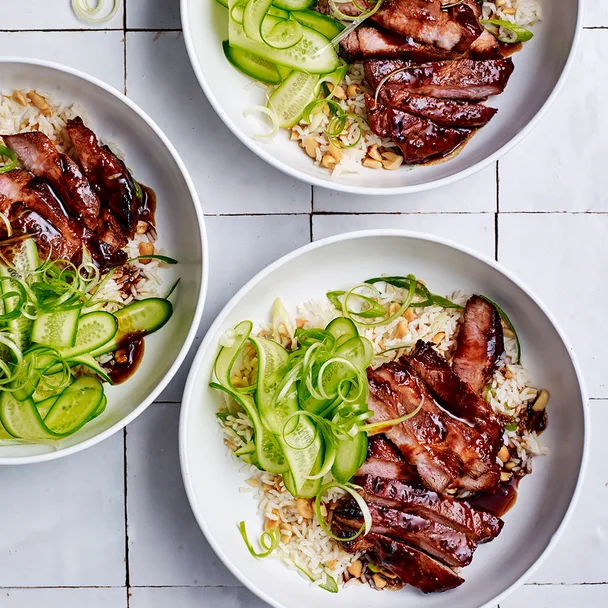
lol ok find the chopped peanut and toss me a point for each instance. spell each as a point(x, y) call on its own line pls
point(332, 563)
point(323, 510)
point(285, 539)
point(328, 161)
point(355, 568)
point(392, 165)
point(300, 323)
point(304, 508)
point(510, 465)
point(40, 102)
point(294, 135)
point(270, 524)
point(541, 401)
point(146, 248)
point(379, 581)
point(352, 90)
point(372, 164)
point(504, 476)
point(335, 151)
point(504, 454)
point(402, 329)
point(374, 153)
point(253, 482)
point(339, 92)
point(438, 337)
point(409, 315)
point(142, 227)
point(311, 145)
point(393, 308)
point(19, 98)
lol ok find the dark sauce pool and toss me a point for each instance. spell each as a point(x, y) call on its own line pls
point(501, 501)
point(126, 359)
point(146, 209)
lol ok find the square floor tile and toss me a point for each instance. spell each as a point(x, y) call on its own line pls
point(63, 521)
point(596, 13)
point(239, 247)
point(561, 165)
point(552, 253)
point(473, 230)
point(474, 194)
point(166, 546)
point(153, 14)
point(100, 54)
point(222, 597)
point(51, 15)
point(228, 176)
point(557, 596)
point(63, 598)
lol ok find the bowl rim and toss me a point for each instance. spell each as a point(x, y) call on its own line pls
point(204, 273)
point(374, 190)
point(188, 401)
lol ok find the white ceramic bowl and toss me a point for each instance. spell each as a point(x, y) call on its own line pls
point(540, 70)
point(546, 497)
point(155, 163)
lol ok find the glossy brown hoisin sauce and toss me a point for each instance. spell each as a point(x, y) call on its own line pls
point(126, 360)
point(501, 501)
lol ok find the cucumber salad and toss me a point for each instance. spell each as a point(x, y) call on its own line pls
point(59, 344)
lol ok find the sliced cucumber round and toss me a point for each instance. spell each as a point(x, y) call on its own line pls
point(56, 329)
point(292, 96)
point(348, 457)
point(94, 330)
point(137, 320)
point(21, 419)
point(251, 65)
point(75, 406)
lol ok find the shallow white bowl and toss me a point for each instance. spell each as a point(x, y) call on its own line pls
point(540, 69)
point(154, 162)
point(546, 498)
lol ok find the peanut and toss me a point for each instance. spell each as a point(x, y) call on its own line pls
point(402, 329)
point(19, 98)
point(328, 161)
point(335, 151)
point(372, 164)
point(374, 153)
point(352, 90)
point(355, 568)
point(438, 337)
point(142, 227)
point(40, 102)
point(311, 145)
point(146, 248)
point(304, 508)
point(379, 581)
point(505, 476)
point(541, 401)
point(504, 454)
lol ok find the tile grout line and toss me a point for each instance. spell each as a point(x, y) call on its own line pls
point(497, 210)
point(125, 490)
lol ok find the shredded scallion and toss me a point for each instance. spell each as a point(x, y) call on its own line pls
point(269, 541)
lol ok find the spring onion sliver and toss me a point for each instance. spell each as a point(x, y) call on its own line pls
point(7, 153)
point(381, 427)
point(269, 541)
point(95, 11)
point(352, 490)
point(273, 118)
point(154, 256)
point(506, 31)
point(329, 583)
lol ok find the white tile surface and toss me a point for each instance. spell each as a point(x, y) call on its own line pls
point(560, 166)
point(153, 14)
point(544, 596)
point(240, 247)
point(59, 47)
point(473, 230)
point(229, 178)
point(49, 15)
point(166, 547)
point(63, 521)
point(553, 252)
point(581, 555)
point(227, 597)
point(596, 13)
point(474, 194)
point(63, 598)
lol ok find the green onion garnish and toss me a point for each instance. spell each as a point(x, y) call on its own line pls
point(512, 426)
point(269, 541)
point(352, 490)
point(7, 154)
point(154, 256)
point(97, 12)
point(506, 31)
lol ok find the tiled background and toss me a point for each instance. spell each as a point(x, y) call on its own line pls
point(111, 527)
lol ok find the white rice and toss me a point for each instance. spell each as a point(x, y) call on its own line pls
point(370, 149)
point(304, 542)
point(19, 114)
